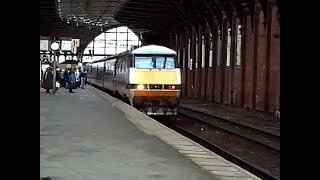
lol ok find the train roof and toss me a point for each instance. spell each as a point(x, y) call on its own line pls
point(145, 50)
point(153, 49)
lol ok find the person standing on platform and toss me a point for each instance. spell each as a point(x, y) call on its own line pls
point(77, 75)
point(83, 77)
point(47, 80)
point(71, 80)
point(58, 79)
point(61, 78)
point(65, 77)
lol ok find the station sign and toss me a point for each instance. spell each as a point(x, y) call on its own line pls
point(44, 45)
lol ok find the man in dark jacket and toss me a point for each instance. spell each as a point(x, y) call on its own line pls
point(71, 80)
point(83, 77)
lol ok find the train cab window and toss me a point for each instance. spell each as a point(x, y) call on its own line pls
point(165, 63)
point(155, 62)
point(160, 62)
point(144, 63)
point(170, 63)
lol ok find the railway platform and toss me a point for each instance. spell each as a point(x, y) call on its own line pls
point(263, 121)
point(91, 135)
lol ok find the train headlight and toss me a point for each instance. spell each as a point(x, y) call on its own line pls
point(173, 87)
point(140, 86)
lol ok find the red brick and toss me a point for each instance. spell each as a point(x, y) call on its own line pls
point(210, 81)
point(190, 83)
point(261, 59)
point(274, 63)
point(238, 86)
point(204, 73)
point(249, 55)
point(184, 82)
point(217, 84)
point(197, 82)
point(227, 86)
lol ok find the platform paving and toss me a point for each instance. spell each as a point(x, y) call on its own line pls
point(85, 137)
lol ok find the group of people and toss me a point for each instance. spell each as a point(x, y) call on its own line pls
point(69, 79)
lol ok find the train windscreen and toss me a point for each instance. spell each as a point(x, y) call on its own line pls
point(155, 62)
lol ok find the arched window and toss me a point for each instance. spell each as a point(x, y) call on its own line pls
point(228, 48)
point(111, 42)
point(239, 36)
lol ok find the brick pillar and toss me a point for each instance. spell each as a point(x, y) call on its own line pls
point(188, 56)
point(238, 67)
point(193, 57)
point(183, 62)
point(218, 64)
point(260, 58)
point(273, 79)
point(215, 38)
point(206, 92)
point(191, 43)
point(197, 70)
point(227, 69)
point(223, 57)
point(248, 42)
point(233, 57)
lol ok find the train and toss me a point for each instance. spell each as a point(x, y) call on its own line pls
point(148, 78)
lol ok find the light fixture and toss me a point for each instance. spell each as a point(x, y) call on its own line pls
point(77, 23)
point(140, 86)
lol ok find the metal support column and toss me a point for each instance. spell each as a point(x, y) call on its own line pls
point(116, 43)
point(92, 54)
point(54, 89)
point(127, 38)
point(105, 44)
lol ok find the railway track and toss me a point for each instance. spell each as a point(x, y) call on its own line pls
point(256, 151)
point(250, 133)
